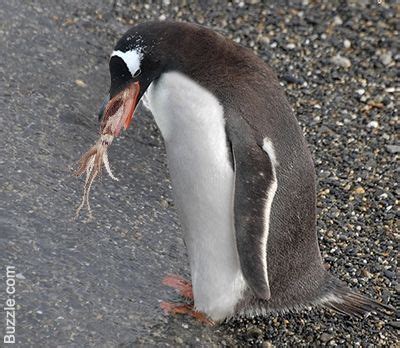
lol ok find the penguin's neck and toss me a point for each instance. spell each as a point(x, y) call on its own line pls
point(192, 123)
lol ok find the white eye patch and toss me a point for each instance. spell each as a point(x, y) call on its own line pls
point(131, 58)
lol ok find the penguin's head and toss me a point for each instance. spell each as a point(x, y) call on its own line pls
point(133, 64)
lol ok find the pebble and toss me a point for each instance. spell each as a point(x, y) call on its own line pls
point(292, 79)
point(359, 190)
point(254, 331)
point(346, 43)
point(373, 124)
point(397, 288)
point(20, 276)
point(80, 83)
point(164, 203)
point(265, 40)
point(178, 340)
point(325, 337)
point(395, 324)
point(393, 148)
point(386, 57)
point(341, 61)
point(390, 89)
point(389, 274)
point(366, 274)
point(337, 20)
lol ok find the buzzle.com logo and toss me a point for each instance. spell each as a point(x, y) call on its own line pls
point(9, 308)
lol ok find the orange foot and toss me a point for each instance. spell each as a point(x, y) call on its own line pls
point(181, 285)
point(178, 308)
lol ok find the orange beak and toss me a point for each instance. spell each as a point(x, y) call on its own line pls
point(130, 103)
point(120, 109)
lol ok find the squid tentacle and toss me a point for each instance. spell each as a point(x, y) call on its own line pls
point(92, 162)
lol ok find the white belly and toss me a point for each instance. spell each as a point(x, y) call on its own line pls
point(193, 127)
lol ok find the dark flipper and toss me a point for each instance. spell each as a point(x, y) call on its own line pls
point(255, 186)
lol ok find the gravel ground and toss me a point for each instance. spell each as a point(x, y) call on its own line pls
point(99, 283)
point(339, 63)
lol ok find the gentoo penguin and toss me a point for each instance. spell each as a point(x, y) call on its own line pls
point(243, 177)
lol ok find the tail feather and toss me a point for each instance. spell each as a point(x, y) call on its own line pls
point(345, 301)
point(327, 291)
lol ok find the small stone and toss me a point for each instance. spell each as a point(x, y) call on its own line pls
point(386, 58)
point(341, 61)
point(373, 124)
point(389, 274)
point(390, 89)
point(366, 274)
point(325, 337)
point(359, 190)
point(292, 79)
point(80, 83)
point(393, 148)
point(337, 20)
point(164, 203)
point(20, 276)
point(346, 43)
point(395, 324)
point(360, 91)
point(178, 340)
point(326, 130)
point(291, 46)
point(397, 288)
point(254, 331)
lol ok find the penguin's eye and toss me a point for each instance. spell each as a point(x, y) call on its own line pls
point(137, 73)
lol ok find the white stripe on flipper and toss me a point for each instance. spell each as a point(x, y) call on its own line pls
point(269, 149)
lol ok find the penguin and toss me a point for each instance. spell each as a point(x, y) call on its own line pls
point(243, 178)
